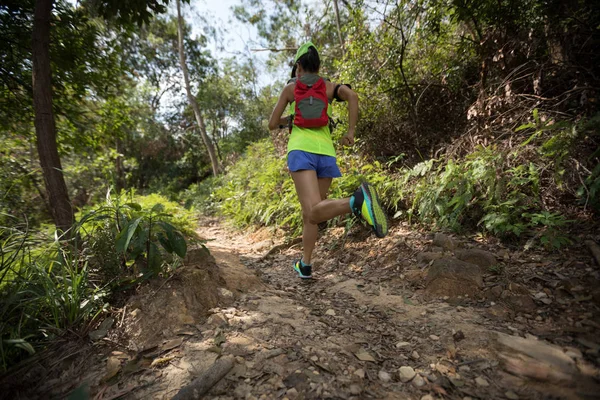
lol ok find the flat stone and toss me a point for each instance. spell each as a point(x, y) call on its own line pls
point(539, 350)
point(434, 337)
point(360, 373)
point(415, 355)
point(330, 312)
point(402, 344)
point(406, 374)
point(217, 320)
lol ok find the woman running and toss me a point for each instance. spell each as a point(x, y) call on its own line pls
point(311, 155)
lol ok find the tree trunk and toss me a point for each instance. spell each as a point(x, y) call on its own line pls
point(337, 24)
point(45, 127)
point(207, 142)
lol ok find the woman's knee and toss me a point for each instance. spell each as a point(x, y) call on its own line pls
point(309, 217)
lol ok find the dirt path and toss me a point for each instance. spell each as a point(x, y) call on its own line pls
point(398, 318)
point(366, 328)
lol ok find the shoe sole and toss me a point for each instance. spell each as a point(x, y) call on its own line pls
point(377, 213)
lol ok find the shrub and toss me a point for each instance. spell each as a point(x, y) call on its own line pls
point(48, 285)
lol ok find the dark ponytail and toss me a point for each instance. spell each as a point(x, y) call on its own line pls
point(310, 61)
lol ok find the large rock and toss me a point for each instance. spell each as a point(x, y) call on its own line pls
point(482, 258)
point(518, 298)
point(453, 277)
point(444, 241)
point(535, 359)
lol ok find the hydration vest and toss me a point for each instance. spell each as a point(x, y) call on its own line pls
point(310, 98)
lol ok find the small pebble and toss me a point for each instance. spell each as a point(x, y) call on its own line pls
point(406, 374)
point(384, 376)
point(511, 395)
point(360, 373)
point(481, 381)
point(418, 381)
point(434, 337)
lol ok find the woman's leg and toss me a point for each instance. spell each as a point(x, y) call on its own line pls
point(324, 184)
point(311, 191)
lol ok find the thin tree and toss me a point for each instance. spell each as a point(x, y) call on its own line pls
point(45, 126)
point(337, 24)
point(199, 119)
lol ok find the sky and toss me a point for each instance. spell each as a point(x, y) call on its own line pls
point(233, 37)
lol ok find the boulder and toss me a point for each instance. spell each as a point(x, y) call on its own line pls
point(482, 258)
point(444, 241)
point(453, 277)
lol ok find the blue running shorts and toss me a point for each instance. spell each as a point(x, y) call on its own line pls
point(325, 166)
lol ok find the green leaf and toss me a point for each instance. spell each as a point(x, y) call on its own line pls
point(158, 208)
point(177, 242)
point(154, 258)
point(166, 226)
point(135, 206)
point(164, 241)
point(139, 243)
point(21, 344)
point(525, 126)
point(126, 234)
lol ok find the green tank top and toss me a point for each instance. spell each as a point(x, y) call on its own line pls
point(311, 140)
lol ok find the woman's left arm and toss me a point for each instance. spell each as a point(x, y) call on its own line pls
point(349, 95)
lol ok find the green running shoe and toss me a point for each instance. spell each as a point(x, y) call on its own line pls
point(304, 271)
point(365, 204)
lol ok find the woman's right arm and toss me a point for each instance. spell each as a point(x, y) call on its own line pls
point(282, 103)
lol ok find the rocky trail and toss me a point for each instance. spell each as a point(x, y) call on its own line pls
point(413, 316)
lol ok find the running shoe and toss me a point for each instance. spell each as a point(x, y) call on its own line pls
point(366, 205)
point(304, 271)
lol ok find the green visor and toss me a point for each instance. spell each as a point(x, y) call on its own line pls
point(302, 50)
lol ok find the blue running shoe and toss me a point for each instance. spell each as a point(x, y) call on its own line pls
point(365, 204)
point(304, 271)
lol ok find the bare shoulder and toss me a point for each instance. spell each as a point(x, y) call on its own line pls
point(330, 85)
point(288, 91)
